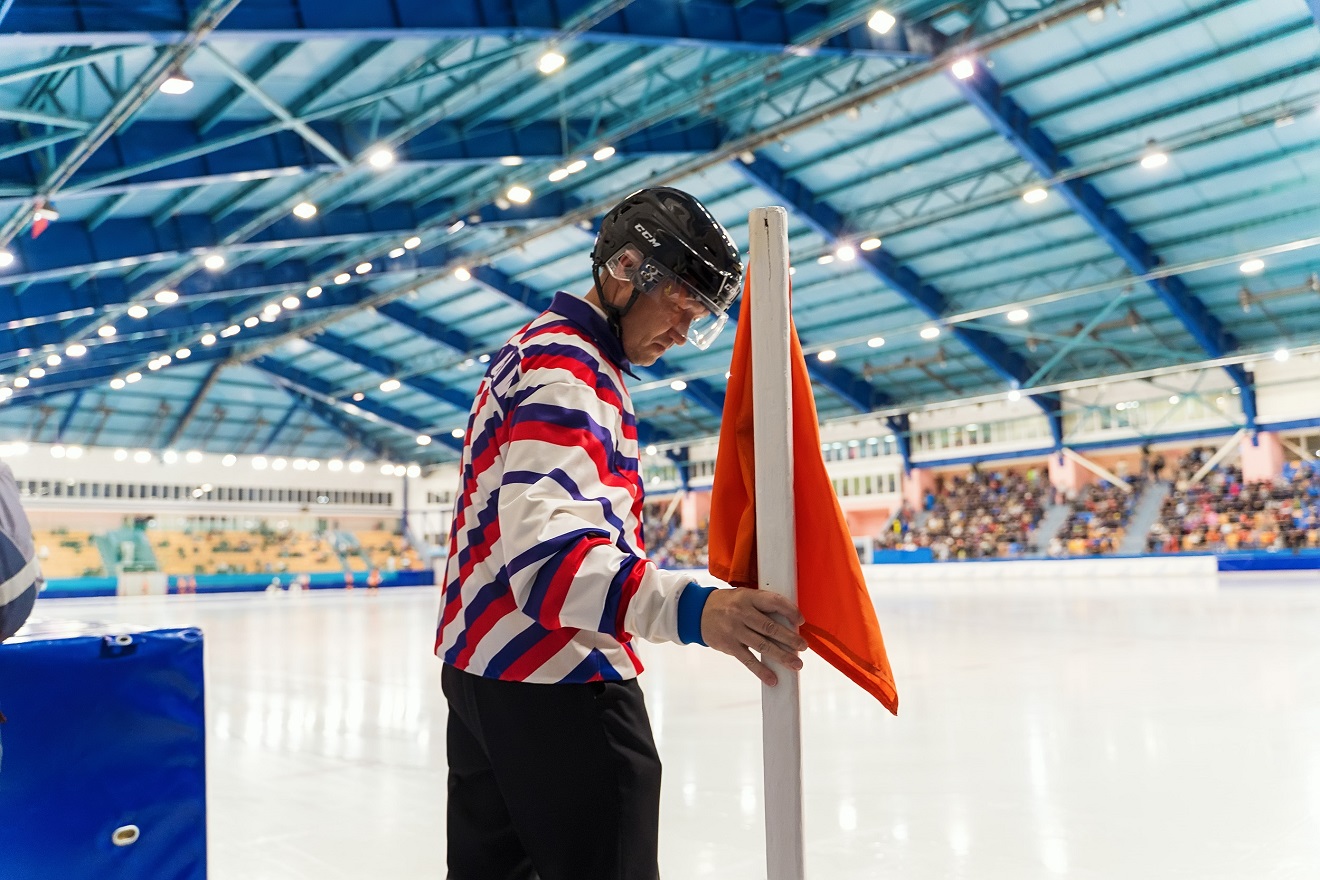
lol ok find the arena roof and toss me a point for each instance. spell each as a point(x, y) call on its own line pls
point(1062, 190)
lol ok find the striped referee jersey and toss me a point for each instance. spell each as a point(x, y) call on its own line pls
point(547, 579)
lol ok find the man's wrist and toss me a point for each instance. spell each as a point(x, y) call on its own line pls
point(691, 605)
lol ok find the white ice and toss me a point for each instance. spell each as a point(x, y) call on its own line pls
point(1113, 730)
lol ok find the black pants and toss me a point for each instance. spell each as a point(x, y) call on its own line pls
point(550, 781)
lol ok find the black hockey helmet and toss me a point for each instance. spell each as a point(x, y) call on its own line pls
point(665, 243)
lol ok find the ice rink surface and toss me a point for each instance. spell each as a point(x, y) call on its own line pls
point(1104, 728)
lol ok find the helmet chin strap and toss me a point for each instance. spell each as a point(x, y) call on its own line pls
point(616, 314)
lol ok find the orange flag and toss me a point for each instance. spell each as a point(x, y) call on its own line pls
point(840, 621)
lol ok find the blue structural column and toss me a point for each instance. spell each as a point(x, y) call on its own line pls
point(833, 227)
point(378, 363)
point(69, 413)
point(1315, 10)
point(1036, 148)
point(283, 423)
point(682, 462)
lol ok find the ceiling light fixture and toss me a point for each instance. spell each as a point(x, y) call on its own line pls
point(847, 253)
point(678, 385)
point(1154, 157)
point(137, 311)
point(963, 68)
point(550, 62)
point(291, 302)
point(930, 332)
point(413, 242)
point(557, 175)
point(381, 158)
point(106, 331)
point(603, 153)
point(1017, 316)
point(166, 297)
point(511, 161)
point(177, 83)
point(1252, 267)
point(519, 195)
point(343, 278)
point(362, 268)
point(827, 355)
point(881, 22)
point(390, 385)
point(214, 262)
point(462, 274)
point(1035, 196)
point(304, 210)
point(870, 244)
point(313, 292)
point(76, 350)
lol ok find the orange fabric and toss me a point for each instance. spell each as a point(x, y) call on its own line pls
point(841, 625)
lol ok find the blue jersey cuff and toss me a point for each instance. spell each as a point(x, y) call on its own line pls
point(691, 604)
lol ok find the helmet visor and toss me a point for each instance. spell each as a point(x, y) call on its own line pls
point(692, 310)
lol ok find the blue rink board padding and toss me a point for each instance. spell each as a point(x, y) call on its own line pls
point(234, 583)
point(101, 736)
point(1248, 560)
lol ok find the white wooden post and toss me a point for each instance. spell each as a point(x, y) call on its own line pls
point(776, 558)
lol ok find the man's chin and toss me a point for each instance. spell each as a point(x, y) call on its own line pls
point(647, 358)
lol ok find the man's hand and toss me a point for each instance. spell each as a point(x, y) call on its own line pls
point(738, 622)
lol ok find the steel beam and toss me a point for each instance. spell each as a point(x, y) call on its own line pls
point(833, 227)
point(70, 411)
point(384, 366)
point(701, 24)
point(33, 320)
point(1039, 151)
point(195, 404)
point(165, 152)
point(434, 330)
point(72, 248)
point(194, 26)
point(279, 427)
point(341, 424)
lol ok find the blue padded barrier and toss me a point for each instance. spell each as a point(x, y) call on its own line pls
point(105, 731)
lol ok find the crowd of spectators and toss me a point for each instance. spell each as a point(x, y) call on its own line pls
point(1224, 513)
point(979, 516)
point(1098, 519)
point(668, 544)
